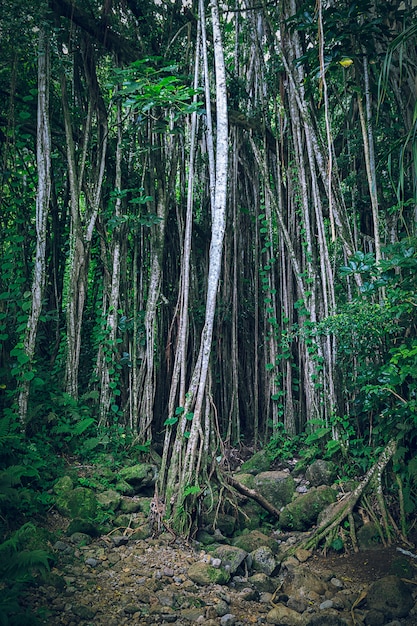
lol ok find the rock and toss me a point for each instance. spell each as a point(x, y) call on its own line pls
point(255, 539)
point(264, 561)
point(119, 540)
point(221, 522)
point(374, 618)
point(303, 555)
point(300, 582)
point(205, 574)
point(326, 620)
point(139, 476)
point(321, 472)
point(205, 538)
point(259, 462)
point(63, 485)
point(390, 596)
point(368, 537)
point(109, 500)
point(284, 616)
point(80, 539)
point(77, 503)
point(302, 513)
point(129, 505)
point(276, 487)
point(262, 582)
point(250, 515)
point(228, 620)
point(246, 479)
point(231, 557)
point(86, 527)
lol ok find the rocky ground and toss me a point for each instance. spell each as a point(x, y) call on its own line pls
point(236, 572)
point(121, 579)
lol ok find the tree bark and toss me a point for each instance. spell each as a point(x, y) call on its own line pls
point(43, 161)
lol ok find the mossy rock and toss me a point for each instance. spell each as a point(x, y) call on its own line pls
point(226, 524)
point(321, 472)
point(205, 538)
point(246, 479)
point(368, 537)
point(277, 487)
point(302, 513)
point(86, 527)
point(140, 475)
point(230, 556)
point(63, 485)
point(255, 539)
point(124, 488)
point(109, 500)
point(205, 574)
point(79, 502)
point(259, 462)
point(250, 515)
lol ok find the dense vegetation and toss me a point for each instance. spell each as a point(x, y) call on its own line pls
point(144, 303)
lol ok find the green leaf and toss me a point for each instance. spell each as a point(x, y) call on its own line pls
point(170, 421)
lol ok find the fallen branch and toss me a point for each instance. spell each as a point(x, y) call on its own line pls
point(254, 495)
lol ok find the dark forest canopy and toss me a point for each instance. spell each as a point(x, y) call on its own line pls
point(208, 228)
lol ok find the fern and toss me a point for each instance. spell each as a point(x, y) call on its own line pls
point(18, 566)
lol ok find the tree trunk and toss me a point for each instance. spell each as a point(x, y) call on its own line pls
point(188, 474)
point(43, 161)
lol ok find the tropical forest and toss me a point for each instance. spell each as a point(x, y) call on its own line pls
point(208, 307)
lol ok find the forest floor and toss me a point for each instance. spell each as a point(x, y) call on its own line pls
point(145, 582)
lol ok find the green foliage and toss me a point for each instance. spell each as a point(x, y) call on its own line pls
point(377, 357)
point(282, 446)
point(21, 495)
point(19, 564)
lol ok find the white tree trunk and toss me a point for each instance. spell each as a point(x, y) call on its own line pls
point(43, 159)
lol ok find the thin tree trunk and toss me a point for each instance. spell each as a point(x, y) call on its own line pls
point(82, 227)
point(106, 360)
point(43, 161)
point(188, 474)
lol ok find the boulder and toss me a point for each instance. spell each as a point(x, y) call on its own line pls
point(205, 574)
point(300, 582)
point(77, 503)
point(221, 522)
point(368, 537)
point(259, 462)
point(302, 513)
point(262, 582)
point(255, 539)
point(275, 486)
point(139, 476)
point(263, 560)
point(321, 472)
point(109, 500)
point(250, 515)
point(390, 596)
point(284, 616)
point(230, 556)
point(247, 479)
